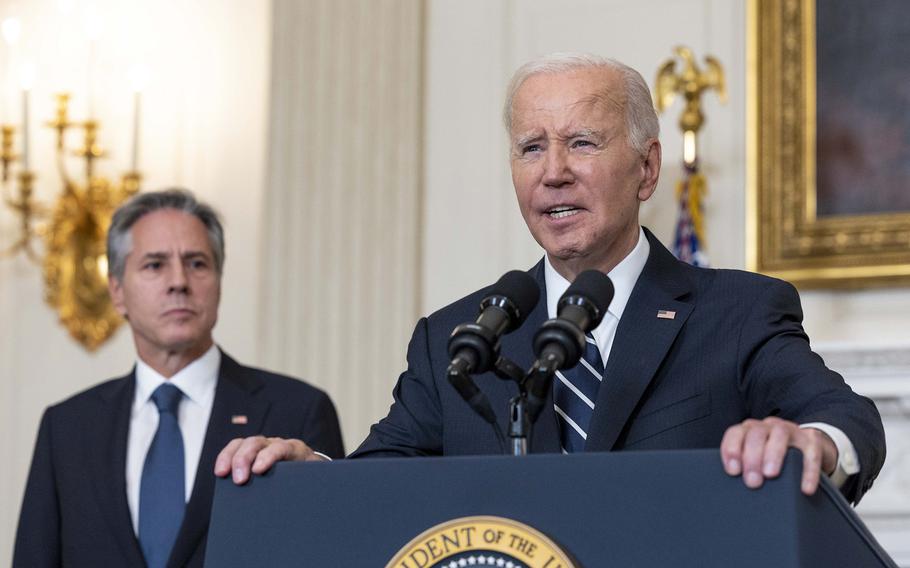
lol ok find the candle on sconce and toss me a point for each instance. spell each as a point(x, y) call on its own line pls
point(134, 163)
point(11, 29)
point(27, 80)
point(25, 129)
point(92, 32)
point(138, 77)
point(90, 82)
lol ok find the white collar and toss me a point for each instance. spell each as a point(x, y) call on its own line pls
point(624, 276)
point(196, 380)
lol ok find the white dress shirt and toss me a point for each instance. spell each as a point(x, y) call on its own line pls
point(624, 276)
point(197, 382)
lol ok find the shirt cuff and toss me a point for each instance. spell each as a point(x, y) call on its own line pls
point(327, 458)
point(847, 460)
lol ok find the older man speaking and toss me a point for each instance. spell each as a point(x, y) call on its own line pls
point(685, 358)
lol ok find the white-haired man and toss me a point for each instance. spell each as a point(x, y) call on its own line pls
point(728, 365)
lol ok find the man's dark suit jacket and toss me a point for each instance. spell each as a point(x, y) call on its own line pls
point(735, 349)
point(75, 511)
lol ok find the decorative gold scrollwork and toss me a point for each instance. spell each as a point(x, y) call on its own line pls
point(75, 262)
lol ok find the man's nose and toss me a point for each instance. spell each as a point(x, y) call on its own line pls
point(557, 172)
point(178, 281)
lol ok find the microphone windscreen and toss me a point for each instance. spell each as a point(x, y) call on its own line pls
point(593, 285)
point(521, 288)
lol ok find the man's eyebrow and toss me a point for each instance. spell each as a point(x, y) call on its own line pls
point(155, 255)
point(585, 132)
point(526, 138)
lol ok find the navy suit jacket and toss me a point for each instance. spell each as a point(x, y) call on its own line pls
point(75, 511)
point(735, 349)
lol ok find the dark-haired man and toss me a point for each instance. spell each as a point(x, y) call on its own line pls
point(122, 473)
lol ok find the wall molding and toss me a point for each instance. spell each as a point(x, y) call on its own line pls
point(883, 374)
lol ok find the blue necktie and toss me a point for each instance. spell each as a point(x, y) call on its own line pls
point(162, 491)
point(574, 394)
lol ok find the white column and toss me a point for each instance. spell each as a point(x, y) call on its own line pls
point(340, 277)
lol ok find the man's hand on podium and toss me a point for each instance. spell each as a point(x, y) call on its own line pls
point(257, 454)
point(755, 449)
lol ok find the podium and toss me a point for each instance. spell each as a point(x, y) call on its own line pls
point(624, 509)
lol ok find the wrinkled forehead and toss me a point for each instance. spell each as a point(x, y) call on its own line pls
point(561, 100)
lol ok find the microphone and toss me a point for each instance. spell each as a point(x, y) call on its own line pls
point(560, 342)
point(474, 347)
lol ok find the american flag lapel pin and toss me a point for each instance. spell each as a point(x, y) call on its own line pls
point(239, 419)
point(666, 314)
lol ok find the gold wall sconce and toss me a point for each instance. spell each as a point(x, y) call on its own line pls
point(67, 237)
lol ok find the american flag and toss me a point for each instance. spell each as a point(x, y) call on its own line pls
point(689, 244)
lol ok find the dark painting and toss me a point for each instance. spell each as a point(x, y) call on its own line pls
point(863, 107)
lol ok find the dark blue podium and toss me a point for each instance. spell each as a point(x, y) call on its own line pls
point(628, 509)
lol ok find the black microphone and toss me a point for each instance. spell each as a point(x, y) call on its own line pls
point(474, 347)
point(560, 342)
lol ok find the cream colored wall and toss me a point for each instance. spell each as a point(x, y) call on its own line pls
point(342, 208)
point(204, 126)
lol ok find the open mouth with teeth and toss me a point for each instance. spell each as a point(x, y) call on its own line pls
point(562, 211)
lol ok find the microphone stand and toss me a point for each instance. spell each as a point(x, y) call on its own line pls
point(519, 424)
point(519, 418)
point(524, 408)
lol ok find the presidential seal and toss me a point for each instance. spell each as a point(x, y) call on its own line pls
point(481, 541)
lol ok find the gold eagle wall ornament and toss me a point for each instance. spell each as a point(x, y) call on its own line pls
point(690, 82)
point(690, 241)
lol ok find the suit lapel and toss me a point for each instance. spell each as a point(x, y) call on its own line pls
point(234, 398)
point(641, 343)
point(108, 445)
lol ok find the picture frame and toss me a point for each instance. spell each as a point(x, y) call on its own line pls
point(787, 235)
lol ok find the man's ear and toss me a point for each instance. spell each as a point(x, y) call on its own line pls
point(650, 171)
point(115, 289)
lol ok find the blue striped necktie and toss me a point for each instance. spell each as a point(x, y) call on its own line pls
point(162, 491)
point(574, 394)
